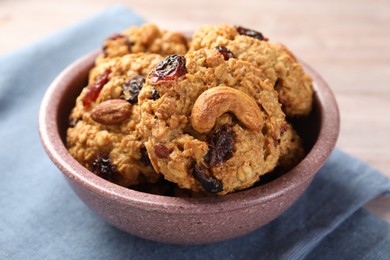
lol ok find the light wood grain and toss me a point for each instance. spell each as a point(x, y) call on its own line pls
point(347, 42)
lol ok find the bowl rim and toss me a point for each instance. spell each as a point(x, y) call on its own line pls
point(56, 150)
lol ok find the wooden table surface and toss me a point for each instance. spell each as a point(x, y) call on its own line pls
point(346, 41)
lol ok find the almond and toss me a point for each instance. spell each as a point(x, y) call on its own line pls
point(111, 112)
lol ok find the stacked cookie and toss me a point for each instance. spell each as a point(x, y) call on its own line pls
point(207, 114)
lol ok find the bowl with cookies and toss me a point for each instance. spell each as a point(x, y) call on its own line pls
point(189, 140)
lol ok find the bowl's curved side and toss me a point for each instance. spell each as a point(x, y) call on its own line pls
point(330, 119)
point(54, 115)
point(182, 227)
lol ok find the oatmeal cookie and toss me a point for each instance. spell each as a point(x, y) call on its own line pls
point(210, 123)
point(147, 38)
point(103, 134)
point(279, 65)
point(291, 149)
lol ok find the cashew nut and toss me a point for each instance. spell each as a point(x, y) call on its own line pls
point(216, 101)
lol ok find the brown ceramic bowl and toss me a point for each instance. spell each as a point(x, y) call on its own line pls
point(184, 220)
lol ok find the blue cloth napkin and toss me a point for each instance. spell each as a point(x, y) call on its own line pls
point(41, 218)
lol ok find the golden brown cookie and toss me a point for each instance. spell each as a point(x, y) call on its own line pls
point(103, 133)
point(147, 38)
point(291, 149)
point(293, 85)
point(210, 123)
point(276, 62)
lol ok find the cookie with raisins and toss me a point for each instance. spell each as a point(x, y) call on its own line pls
point(280, 66)
point(114, 151)
point(147, 38)
point(230, 155)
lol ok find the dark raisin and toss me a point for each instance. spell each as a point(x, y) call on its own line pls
point(102, 167)
point(161, 150)
point(145, 157)
point(73, 122)
point(104, 50)
point(131, 89)
point(115, 37)
point(93, 90)
point(221, 145)
point(227, 54)
point(251, 33)
point(155, 94)
point(171, 68)
point(208, 183)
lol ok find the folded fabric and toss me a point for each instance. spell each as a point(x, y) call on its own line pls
point(41, 218)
